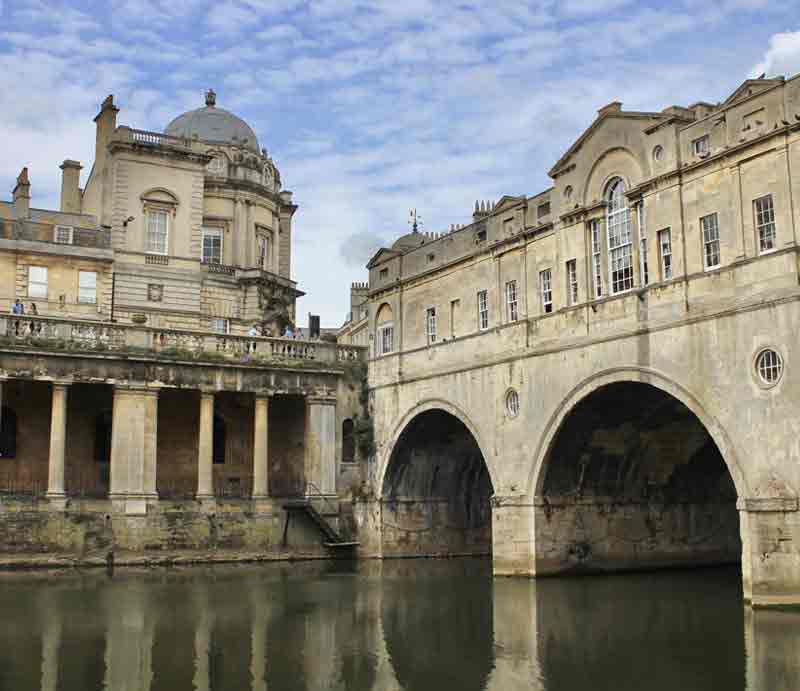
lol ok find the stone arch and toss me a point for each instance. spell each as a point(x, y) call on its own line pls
point(421, 407)
point(633, 375)
point(617, 161)
point(160, 195)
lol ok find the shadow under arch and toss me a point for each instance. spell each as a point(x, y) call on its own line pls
point(630, 475)
point(435, 486)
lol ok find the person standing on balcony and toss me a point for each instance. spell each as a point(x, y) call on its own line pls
point(34, 310)
point(18, 307)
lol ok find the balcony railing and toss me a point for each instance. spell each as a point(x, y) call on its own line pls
point(155, 138)
point(32, 231)
point(217, 268)
point(49, 333)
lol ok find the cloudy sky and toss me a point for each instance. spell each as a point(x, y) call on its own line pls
point(372, 107)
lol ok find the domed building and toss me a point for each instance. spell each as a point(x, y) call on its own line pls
point(200, 225)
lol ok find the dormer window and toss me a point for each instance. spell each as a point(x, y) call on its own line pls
point(701, 146)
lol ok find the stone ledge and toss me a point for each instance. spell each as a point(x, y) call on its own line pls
point(768, 504)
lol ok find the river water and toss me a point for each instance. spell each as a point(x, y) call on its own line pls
point(417, 625)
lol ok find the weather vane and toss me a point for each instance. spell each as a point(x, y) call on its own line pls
point(414, 220)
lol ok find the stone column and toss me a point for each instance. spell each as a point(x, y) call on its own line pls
point(513, 536)
point(133, 448)
point(58, 438)
point(320, 466)
point(261, 447)
point(205, 447)
point(770, 529)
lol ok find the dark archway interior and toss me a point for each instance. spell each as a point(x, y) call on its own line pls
point(633, 479)
point(436, 490)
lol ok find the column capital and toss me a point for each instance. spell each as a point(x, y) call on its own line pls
point(61, 383)
point(136, 390)
point(317, 399)
point(264, 394)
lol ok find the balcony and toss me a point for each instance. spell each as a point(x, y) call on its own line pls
point(31, 231)
point(123, 340)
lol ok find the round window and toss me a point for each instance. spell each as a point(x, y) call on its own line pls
point(769, 366)
point(658, 153)
point(512, 403)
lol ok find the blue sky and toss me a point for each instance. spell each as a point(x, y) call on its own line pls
point(371, 107)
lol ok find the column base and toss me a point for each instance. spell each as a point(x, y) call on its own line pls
point(57, 500)
point(132, 504)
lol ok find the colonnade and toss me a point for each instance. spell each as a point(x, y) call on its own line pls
point(134, 437)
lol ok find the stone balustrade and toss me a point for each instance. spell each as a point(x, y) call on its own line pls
point(53, 333)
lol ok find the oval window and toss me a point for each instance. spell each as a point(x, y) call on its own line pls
point(512, 403)
point(769, 366)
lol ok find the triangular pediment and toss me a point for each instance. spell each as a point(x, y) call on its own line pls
point(382, 255)
point(750, 87)
point(507, 202)
point(612, 110)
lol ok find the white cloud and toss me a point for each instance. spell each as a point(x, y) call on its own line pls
point(782, 56)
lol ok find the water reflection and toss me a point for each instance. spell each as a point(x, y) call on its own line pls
point(416, 625)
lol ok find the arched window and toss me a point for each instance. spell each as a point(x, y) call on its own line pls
point(384, 330)
point(219, 440)
point(8, 433)
point(102, 437)
point(348, 442)
point(620, 250)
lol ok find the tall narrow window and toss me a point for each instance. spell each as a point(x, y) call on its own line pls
point(597, 270)
point(483, 310)
point(87, 287)
point(665, 249)
point(710, 226)
point(37, 282)
point(546, 290)
point(157, 223)
point(642, 244)
point(264, 252)
point(618, 221)
point(511, 301)
point(572, 282)
point(430, 324)
point(212, 245)
point(765, 223)
point(384, 330)
point(454, 305)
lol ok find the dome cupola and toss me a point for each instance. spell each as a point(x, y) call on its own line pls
point(213, 124)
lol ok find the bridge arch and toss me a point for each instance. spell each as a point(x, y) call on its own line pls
point(632, 472)
point(435, 485)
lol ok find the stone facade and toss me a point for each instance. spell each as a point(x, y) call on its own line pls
point(149, 401)
point(654, 284)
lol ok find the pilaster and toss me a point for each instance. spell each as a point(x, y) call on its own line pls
point(320, 466)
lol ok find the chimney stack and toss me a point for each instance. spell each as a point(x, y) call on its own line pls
point(22, 195)
point(70, 187)
point(106, 121)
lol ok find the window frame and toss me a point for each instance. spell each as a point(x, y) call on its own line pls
point(619, 238)
point(211, 232)
point(483, 310)
point(644, 270)
point(151, 213)
point(546, 290)
point(709, 228)
point(512, 301)
point(665, 258)
point(701, 145)
point(597, 257)
point(81, 299)
point(70, 234)
point(215, 321)
point(430, 325)
point(31, 282)
point(572, 282)
point(384, 333)
point(760, 225)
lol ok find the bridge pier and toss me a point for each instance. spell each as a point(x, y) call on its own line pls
point(513, 536)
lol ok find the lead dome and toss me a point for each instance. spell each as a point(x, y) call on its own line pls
point(214, 125)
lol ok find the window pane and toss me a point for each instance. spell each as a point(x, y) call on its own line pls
point(87, 287)
point(212, 245)
point(157, 232)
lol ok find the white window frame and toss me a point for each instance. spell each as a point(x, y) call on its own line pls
point(597, 258)
point(572, 282)
point(68, 235)
point(766, 231)
point(619, 236)
point(701, 145)
point(483, 310)
point(385, 338)
point(151, 247)
point(665, 252)
point(546, 290)
point(512, 301)
point(221, 325)
point(211, 232)
point(37, 286)
point(264, 252)
point(430, 324)
point(709, 225)
point(643, 268)
point(87, 287)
